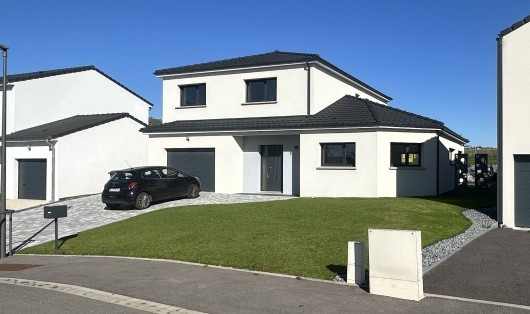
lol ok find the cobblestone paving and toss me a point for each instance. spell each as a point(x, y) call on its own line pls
point(89, 212)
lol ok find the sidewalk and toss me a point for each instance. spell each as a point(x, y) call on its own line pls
point(220, 290)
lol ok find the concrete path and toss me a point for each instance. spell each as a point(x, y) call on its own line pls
point(494, 267)
point(192, 287)
point(89, 212)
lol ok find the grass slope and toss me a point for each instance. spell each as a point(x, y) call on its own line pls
point(304, 237)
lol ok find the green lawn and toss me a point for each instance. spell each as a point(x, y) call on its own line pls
point(304, 237)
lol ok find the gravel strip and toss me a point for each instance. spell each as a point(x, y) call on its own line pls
point(438, 252)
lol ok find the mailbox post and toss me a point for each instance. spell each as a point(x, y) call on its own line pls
point(55, 212)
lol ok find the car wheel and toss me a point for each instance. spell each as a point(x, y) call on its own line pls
point(113, 206)
point(143, 200)
point(193, 191)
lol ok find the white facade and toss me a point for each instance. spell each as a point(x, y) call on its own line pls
point(226, 92)
point(42, 100)
point(238, 162)
point(514, 110)
point(303, 89)
point(82, 159)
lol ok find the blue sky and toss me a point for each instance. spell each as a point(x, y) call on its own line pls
point(434, 58)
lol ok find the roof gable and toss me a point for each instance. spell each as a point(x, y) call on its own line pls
point(13, 78)
point(265, 59)
point(59, 128)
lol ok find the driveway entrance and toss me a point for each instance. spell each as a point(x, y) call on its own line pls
point(494, 267)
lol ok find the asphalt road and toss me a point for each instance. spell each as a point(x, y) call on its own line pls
point(211, 289)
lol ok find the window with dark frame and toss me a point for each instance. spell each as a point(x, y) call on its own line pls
point(193, 95)
point(405, 155)
point(261, 90)
point(338, 154)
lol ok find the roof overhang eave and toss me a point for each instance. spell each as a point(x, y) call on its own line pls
point(290, 130)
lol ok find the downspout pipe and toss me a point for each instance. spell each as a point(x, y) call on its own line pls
point(499, 133)
point(51, 145)
point(308, 88)
point(438, 163)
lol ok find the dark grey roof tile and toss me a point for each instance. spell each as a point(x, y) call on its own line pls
point(348, 112)
point(59, 128)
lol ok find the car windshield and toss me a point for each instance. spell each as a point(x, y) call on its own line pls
point(120, 176)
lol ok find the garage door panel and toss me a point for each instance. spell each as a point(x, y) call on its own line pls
point(196, 162)
point(522, 191)
point(32, 179)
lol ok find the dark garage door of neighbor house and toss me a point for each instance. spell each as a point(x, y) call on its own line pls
point(522, 190)
point(32, 179)
point(199, 162)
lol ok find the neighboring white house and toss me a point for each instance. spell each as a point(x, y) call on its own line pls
point(513, 125)
point(67, 129)
point(295, 124)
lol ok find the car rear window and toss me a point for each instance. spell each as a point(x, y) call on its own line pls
point(122, 176)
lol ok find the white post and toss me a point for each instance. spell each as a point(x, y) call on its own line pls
point(356, 263)
point(395, 263)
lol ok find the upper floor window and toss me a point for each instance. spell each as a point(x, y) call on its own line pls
point(261, 90)
point(338, 154)
point(193, 95)
point(405, 155)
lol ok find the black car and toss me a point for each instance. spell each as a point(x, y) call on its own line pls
point(140, 186)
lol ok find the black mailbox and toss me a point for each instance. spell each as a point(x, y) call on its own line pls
point(55, 211)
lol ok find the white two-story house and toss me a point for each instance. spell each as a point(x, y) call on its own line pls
point(67, 128)
point(295, 124)
point(513, 202)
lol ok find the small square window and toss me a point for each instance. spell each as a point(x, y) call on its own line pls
point(338, 154)
point(405, 155)
point(261, 90)
point(193, 95)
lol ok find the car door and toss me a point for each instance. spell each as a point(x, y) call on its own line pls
point(176, 181)
point(154, 184)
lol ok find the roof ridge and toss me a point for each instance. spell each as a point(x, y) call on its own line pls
point(298, 53)
point(372, 111)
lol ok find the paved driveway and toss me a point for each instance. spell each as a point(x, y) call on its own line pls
point(494, 267)
point(88, 212)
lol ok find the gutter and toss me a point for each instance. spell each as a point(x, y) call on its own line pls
point(499, 132)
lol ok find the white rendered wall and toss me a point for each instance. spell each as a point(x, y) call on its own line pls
point(226, 95)
point(372, 176)
point(252, 162)
point(447, 165)
point(328, 88)
point(318, 181)
point(48, 99)
point(22, 152)
point(228, 157)
point(83, 159)
point(10, 108)
point(406, 181)
point(515, 111)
